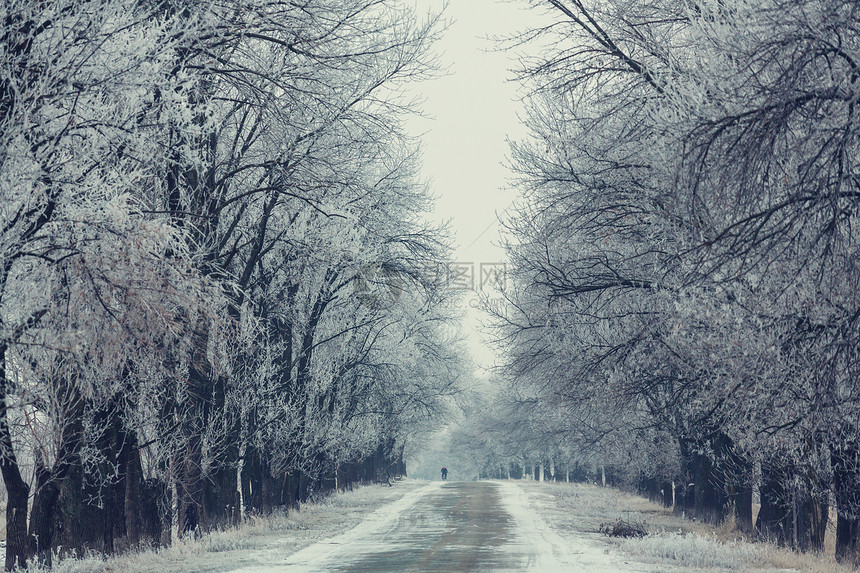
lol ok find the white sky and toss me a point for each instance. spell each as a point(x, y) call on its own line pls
point(473, 110)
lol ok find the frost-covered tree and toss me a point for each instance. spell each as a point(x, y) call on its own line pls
point(685, 250)
point(213, 254)
point(85, 274)
point(283, 128)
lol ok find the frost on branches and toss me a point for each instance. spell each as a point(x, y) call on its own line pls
point(684, 304)
point(212, 248)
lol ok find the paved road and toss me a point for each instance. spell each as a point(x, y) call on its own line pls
point(448, 527)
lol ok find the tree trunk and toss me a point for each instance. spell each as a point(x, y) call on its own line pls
point(221, 494)
point(292, 489)
point(653, 490)
point(710, 496)
point(742, 499)
point(774, 522)
point(41, 536)
point(133, 473)
point(190, 491)
point(154, 512)
point(252, 484)
point(811, 521)
point(268, 488)
point(685, 488)
point(83, 525)
point(17, 493)
point(17, 490)
point(197, 417)
point(221, 490)
point(117, 450)
point(733, 480)
point(846, 538)
point(844, 459)
point(304, 487)
point(666, 494)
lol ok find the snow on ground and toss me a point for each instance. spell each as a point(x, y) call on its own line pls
point(307, 560)
point(261, 541)
point(454, 526)
point(555, 526)
point(575, 513)
point(561, 553)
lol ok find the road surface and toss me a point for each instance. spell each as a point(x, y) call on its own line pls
point(443, 527)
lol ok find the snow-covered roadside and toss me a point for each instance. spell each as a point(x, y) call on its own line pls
point(560, 552)
point(575, 513)
point(307, 559)
point(257, 543)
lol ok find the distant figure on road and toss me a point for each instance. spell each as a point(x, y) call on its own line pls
point(444, 473)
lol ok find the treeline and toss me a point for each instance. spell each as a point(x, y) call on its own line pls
point(217, 288)
point(683, 303)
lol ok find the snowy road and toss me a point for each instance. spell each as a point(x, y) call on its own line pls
point(451, 527)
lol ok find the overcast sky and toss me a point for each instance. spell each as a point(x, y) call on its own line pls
point(474, 109)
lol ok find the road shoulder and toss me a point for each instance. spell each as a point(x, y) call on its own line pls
point(259, 542)
point(576, 511)
point(533, 509)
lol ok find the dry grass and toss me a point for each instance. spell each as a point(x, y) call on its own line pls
point(260, 541)
point(829, 535)
point(673, 543)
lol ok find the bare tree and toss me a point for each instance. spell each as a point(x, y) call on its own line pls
point(682, 248)
point(193, 193)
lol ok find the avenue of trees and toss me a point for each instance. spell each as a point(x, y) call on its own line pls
point(215, 286)
point(683, 295)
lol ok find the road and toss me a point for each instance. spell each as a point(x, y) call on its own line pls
point(447, 526)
